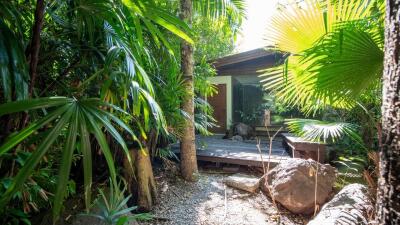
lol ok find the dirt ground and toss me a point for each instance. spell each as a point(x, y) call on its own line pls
point(210, 202)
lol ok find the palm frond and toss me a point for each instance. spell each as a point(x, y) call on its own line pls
point(295, 86)
point(147, 11)
point(297, 25)
point(203, 119)
point(322, 131)
point(13, 66)
point(335, 53)
point(81, 118)
point(346, 61)
point(234, 10)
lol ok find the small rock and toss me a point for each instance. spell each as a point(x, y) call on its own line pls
point(350, 206)
point(292, 184)
point(243, 182)
point(237, 138)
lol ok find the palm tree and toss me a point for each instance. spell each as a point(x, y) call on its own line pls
point(188, 148)
point(388, 206)
point(232, 9)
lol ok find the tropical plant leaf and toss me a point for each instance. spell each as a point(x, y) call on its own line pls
point(35, 158)
point(13, 65)
point(233, 10)
point(33, 127)
point(336, 53)
point(81, 118)
point(159, 16)
point(25, 105)
point(87, 159)
point(323, 131)
point(102, 142)
point(66, 161)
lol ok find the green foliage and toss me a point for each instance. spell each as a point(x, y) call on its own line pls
point(113, 210)
point(322, 131)
point(116, 60)
point(36, 193)
point(99, 35)
point(13, 67)
point(214, 38)
point(171, 92)
point(203, 116)
point(350, 170)
point(232, 10)
point(331, 70)
point(336, 52)
point(165, 153)
point(16, 216)
point(214, 35)
point(81, 118)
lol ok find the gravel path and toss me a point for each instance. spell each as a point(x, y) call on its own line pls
point(204, 203)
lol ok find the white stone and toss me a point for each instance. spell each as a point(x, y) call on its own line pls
point(243, 182)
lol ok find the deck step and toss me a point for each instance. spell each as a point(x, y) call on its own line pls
point(218, 150)
point(263, 131)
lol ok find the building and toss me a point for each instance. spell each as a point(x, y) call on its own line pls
point(240, 95)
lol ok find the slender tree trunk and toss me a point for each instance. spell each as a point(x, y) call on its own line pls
point(188, 149)
point(140, 179)
point(34, 51)
point(35, 43)
point(388, 197)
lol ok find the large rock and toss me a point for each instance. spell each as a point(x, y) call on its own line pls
point(243, 182)
point(243, 130)
point(351, 206)
point(292, 184)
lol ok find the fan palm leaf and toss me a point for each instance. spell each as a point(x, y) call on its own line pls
point(298, 25)
point(80, 118)
point(346, 62)
point(323, 131)
point(335, 53)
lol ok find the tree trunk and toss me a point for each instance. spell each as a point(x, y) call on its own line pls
point(140, 180)
point(188, 149)
point(35, 43)
point(34, 51)
point(388, 197)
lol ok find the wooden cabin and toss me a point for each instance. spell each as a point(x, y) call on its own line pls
point(239, 88)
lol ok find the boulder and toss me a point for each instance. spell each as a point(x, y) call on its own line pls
point(351, 206)
point(243, 130)
point(243, 182)
point(292, 184)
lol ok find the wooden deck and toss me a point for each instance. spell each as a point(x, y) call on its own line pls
point(216, 149)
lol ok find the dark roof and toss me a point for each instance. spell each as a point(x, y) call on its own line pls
point(247, 63)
